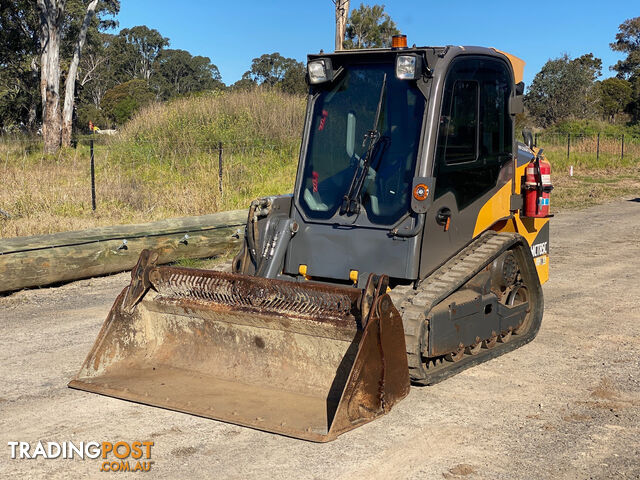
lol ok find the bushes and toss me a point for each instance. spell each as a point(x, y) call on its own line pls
point(122, 101)
point(89, 113)
point(593, 127)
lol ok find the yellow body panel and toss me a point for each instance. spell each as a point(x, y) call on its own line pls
point(516, 63)
point(529, 229)
point(496, 215)
point(495, 209)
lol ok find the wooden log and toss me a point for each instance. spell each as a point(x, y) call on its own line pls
point(47, 259)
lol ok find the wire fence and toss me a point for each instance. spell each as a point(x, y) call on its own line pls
point(194, 167)
point(157, 151)
point(598, 145)
point(225, 168)
point(168, 149)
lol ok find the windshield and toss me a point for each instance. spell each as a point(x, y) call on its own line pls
point(343, 113)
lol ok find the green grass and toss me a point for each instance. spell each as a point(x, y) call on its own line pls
point(202, 263)
point(608, 180)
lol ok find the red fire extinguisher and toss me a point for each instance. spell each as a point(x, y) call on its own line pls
point(537, 185)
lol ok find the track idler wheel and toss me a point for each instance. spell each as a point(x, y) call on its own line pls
point(518, 296)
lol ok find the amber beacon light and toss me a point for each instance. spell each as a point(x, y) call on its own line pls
point(399, 41)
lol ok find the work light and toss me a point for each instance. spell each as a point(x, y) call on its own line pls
point(320, 71)
point(408, 67)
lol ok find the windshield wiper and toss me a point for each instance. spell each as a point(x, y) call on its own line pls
point(351, 201)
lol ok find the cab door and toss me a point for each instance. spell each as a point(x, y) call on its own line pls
point(472, 158)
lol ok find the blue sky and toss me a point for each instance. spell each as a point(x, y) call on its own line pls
point(233, 33)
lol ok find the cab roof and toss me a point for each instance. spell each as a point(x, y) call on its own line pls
point(517, 64)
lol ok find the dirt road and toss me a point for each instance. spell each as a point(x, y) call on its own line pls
point(565, 406)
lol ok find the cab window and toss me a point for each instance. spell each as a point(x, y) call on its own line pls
point(475, 131)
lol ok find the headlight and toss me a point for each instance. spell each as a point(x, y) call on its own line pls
point(408, 67)
point(320, 71)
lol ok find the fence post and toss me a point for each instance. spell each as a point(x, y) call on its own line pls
point(93, 177)
point(535, 140)
point(568, 144)
point(622, 151)
point(598, 148)
point(220, 167)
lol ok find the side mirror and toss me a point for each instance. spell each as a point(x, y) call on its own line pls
point(516, 103)
point(527, 136)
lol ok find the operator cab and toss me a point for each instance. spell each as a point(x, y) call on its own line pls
point(381, 126)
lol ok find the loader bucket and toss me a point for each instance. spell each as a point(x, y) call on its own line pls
point(299, 359)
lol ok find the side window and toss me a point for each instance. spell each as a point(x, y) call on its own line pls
point(496, 124)
point(475, 132)
point(459, 127)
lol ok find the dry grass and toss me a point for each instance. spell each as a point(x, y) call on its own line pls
point(254, 117)
point(594, 187)
point(52, 196)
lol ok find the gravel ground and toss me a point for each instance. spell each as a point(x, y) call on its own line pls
point(566, 405)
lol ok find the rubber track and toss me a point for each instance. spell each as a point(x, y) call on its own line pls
point(414, 304)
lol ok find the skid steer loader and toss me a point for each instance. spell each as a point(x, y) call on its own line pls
point(403, 256)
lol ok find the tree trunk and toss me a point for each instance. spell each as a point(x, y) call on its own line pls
point(51, 86)
point(70, 83)
point(33, 113)
point(342, 14)
point(51, 12)
point(33, 104)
